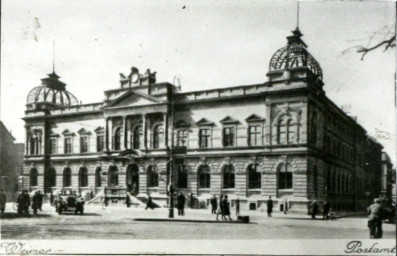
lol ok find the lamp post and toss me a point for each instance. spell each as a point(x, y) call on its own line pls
point(171, 161)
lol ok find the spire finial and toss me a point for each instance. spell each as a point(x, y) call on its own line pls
point(297, 15)
point(53, 56)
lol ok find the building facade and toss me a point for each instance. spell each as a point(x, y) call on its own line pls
point(283, 138)
point(11, 159)
point(387, 176)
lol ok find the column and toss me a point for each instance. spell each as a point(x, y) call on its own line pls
point(27, 141)
point(109, 133)
point(165, 126)
point(124, 142)
point(144, 131)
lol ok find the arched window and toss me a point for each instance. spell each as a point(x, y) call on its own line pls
point(51, 177)
point(204, 176)
point(117, 139)
point(152, 176)
point(33, 177)
point(315, 182)
point(83, 177)
point(182, 176)
point(228, 176)
point(113, 176)
point(137, 137)
point(254, 177)
point(158, 136)
point(286, 130)
point(98, 182)
point(67, 177)
point(284, 179)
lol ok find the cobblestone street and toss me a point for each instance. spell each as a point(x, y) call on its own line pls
point(126, 223)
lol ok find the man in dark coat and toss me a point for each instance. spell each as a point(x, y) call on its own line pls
point(3, 200)
point(214, 204)
point(226, 208)
point(269, 205)
point(25, 202)
point(181, 204)
point(128, 200)
point(238, 207)
point(52, 198)
point(375, 214)
point(36, 202)
point(314, 209)
point(326, 208)
point(149, 203)
point(41, 198)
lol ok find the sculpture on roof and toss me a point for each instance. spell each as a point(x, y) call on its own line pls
point(135, 78)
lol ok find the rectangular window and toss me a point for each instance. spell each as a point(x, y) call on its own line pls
point(181, 138)
point(100, 143)
point(83, 144)
point(228, 136)
point(204, 138)
point(68, 145)
point(254, 135)
point(53, 146)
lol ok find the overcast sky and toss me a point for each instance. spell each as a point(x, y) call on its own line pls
point(207, 44)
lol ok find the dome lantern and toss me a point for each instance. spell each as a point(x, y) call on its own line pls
point(52, 91)
point(295, 55)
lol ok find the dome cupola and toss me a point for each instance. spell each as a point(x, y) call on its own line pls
point(295, 55)
point(51, 91)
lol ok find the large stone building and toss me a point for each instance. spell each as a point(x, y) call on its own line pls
point(282, 138)
point(11, 162)
point(387, 176)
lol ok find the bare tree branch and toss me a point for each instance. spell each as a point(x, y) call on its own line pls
point(389, 43)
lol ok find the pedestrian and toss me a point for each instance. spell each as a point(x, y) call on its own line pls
point(26, 202)
point(326, 209)
point(91, 194)
point(181, 204)
point(220, 209)
point(149, 203)
point(314, 209)
point(106, 201)
point(375, 212)
point(36, 202)
point(3, 200)
point(237, 207)
point(269, 205)
point(41, 197)
point(52, 198)
point(226, 207)
point(128, 200)
point(20, 203)
point(191, 200)
point(285, 209)
point(214, 204)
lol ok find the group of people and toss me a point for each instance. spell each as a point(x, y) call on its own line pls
point(222, 207)
point(24, 202)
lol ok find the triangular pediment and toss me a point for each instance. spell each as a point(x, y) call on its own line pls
point(204, 121)
point(83, 131)
point(99, 129)
point(228, 120)
point(67, 133)
point(133, 99)
point(182, 123)
point(254, 118)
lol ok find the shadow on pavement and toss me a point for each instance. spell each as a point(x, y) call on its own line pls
point(80, 215)
point(14, 215)
point(193, 221)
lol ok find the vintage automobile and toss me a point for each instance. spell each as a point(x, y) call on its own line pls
point(68, 202)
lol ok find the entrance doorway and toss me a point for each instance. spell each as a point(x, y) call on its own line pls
point(133, 179)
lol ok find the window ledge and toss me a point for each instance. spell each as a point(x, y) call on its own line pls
point(286, 190)
point(254, 190)
point(229, 189)
point(204, 189)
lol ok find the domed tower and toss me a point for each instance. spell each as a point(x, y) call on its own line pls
point(293, 62)
point(50, 94)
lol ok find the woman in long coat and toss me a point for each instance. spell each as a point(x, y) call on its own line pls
point(226, 207)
